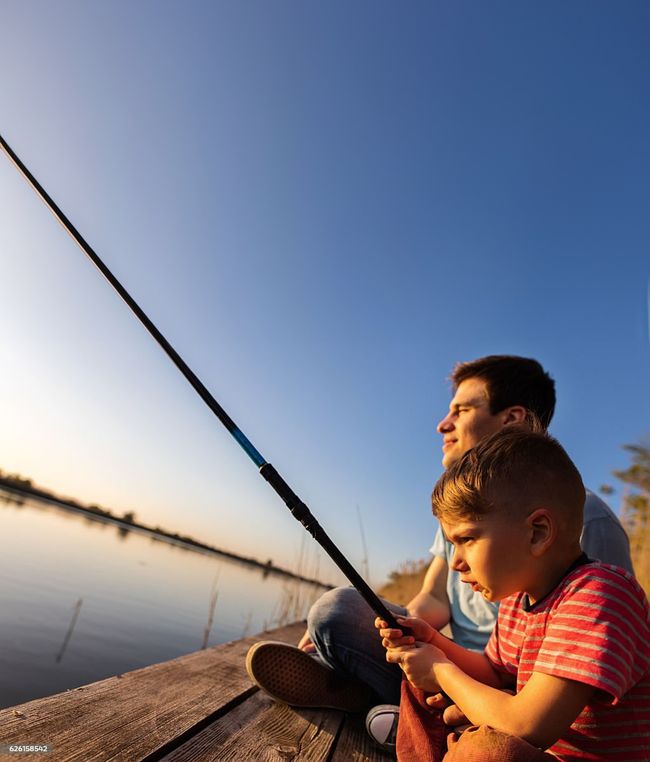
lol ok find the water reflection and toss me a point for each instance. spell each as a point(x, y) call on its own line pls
point(12, 498)
point(139, 599)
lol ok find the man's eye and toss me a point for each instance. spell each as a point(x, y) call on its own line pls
point(463, 540)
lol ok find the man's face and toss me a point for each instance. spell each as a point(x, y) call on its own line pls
point(490, 555)
point(468, 421)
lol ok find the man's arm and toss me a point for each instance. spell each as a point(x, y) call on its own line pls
point(431, 603)
point(603, 536)
point(606, 541)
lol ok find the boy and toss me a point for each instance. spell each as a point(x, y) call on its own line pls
point(572, 635)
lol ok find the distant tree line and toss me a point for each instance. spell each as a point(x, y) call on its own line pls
point(25, 485)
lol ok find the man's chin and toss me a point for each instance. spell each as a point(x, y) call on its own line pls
point(448, 459)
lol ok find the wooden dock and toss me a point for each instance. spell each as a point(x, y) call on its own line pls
point(201, 706)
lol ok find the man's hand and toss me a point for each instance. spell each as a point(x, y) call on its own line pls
point(305, 643)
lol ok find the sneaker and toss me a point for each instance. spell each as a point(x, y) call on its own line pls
point(381, 724)
point(293, 677)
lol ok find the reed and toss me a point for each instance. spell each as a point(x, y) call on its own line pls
point(247, 624)
point(365, 563)
point(214, 595)
point(297, 596)
point(71, 626)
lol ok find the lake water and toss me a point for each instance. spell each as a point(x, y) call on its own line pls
point(82, 599)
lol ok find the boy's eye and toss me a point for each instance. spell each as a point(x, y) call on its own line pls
point(463, 540)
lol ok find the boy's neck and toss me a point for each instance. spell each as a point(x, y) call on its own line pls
point(551, 571)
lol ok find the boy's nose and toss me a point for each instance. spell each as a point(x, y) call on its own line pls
point(458, 562)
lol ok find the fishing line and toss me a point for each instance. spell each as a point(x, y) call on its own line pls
point(298, 509)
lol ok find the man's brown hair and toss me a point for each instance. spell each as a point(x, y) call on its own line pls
point(515, 470)
point(511, 380)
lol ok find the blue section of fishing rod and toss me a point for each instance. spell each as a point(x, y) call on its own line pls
point(248, 447)
point(298, 509)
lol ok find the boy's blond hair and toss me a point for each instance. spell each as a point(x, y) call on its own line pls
point(515, 470)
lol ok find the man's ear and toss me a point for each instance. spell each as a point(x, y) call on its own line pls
point(543, 531)
point(516, 414)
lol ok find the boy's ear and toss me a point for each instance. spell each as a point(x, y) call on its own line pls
point(543, 531)
point(515, 414)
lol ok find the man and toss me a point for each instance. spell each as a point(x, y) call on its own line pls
point(350, 669)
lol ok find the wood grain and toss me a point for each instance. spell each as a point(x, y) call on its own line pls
point(355, 745)
point(261, 730)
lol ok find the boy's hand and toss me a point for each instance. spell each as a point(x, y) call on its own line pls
point(418, 662)
point(394, 638)
point(451, 714)
point(412, 653)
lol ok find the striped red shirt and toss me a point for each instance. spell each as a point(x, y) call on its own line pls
point(593, 628)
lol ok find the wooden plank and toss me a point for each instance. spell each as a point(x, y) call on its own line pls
point(206, 744)
point(355, 745)
point(261, 730)
point(245, 734)
point(132, 716)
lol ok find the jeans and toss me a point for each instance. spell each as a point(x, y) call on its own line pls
point(341, 626)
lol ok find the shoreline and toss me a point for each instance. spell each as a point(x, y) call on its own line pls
point(25, 489)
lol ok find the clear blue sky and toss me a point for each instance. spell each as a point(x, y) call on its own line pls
point(323, 206)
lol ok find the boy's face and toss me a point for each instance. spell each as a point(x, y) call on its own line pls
point(468, 421)
point(491, 555)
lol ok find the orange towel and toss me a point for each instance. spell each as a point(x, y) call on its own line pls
point(422, 736)
point(421, 733)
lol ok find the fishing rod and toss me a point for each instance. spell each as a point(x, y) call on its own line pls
point(298, 509)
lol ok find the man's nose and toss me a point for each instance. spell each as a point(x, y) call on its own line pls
point(445, 425)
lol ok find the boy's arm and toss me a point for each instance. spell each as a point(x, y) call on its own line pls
point(540, 713)
point(473, 663)
point(431, 602)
